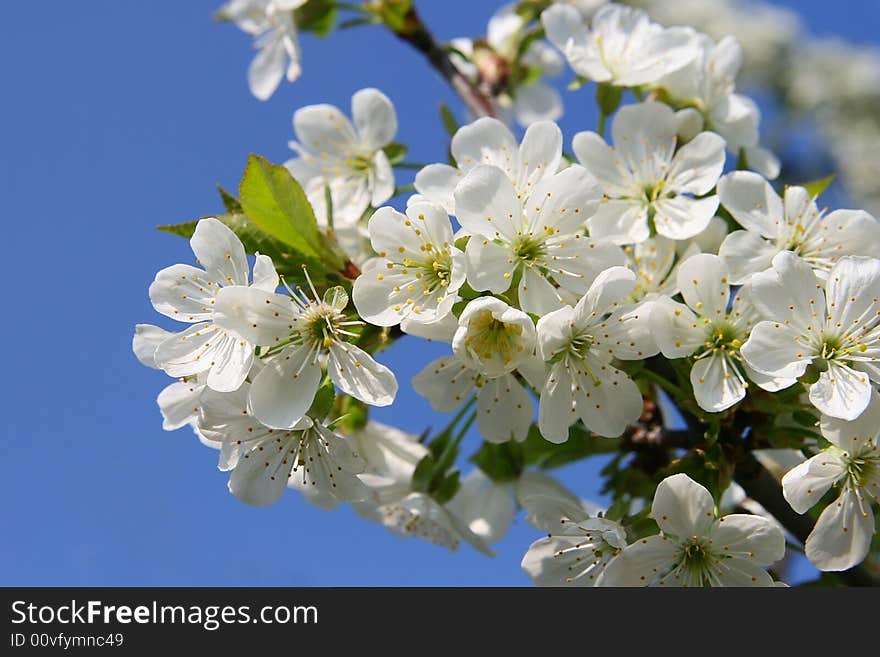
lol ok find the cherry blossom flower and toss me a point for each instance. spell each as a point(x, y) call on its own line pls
point(835, 327)
point(273, 27)
point(579, 344)
point(491, 342)
point(708, 83)
point(344, 158)
point(489, 141)
point(418, 271)
point(844, 531)
point(624, 47)
point(711, 330)
point(189, 294)
point(695, 549)
point(298, 331)
point(649, 186)
point(537, 237)
point(792, 223)
point(264, 461)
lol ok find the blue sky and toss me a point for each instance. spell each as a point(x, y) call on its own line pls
point(121, 115)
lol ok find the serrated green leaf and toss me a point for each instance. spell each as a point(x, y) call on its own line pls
point(816, 187)
point(316, 16)
point(229, 201)
point(805, 419)
point(276, 203)
point(395, 152)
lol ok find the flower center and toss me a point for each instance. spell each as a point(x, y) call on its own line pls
point(489, 338)
point(529, 249)
point(696, 559)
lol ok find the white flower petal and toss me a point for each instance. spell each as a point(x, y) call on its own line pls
point(842, 535)
point(437, 182)
point(145, 341)
point(445, 382)
point(485, 141)
point(179, 404)
point(704, 284)
point(355, 372)
point(640, 563)
point(266, 70)
point(682, 217)
point(854, 436)
point(805, 484)
point(697, 165)
point(718, 384)
point(555, 411)
point(184, 293)
point(773, 348)
point(676, 328)
point(374, 118)
point(620, 221)
point(285, 388)
point(752, 202)
point(608, 401)
point(487, 205)
point(260, 317)
point(504, 410)
point(220, 252)
point(746, 253)
point(322, 129)
point(750, 537)
point(841, 392)
point(682, 507)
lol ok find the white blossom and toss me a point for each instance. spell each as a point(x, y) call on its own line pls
point(623, 47)
point(834, 326)
point(708, 83)
point(579, 344)
point(695, 549)
point(792, 223)
point(273, 27)
point(537, 236)
point(299, 331)
point(418, 271)
point(189, 294)
point(346, 158)
point(489, 141)
point(647, 183)
point(711, 331)
point(576, 556)
point(843, 533)
point(178, 402)
point(264, 461)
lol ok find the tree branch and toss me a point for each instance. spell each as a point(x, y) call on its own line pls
point(765, 489)
point(414, 32)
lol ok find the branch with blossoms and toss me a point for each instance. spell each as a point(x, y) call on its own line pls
point(650, 299)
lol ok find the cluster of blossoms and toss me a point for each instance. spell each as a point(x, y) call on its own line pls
point(575, 294)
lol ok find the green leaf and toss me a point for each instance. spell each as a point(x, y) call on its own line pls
point(287, 261)
point(500, 462)
point(274, 201)
point(316, 16)
point(395, 152)
point(229, 201)
point(323, 402)
point(447, 488)
point(608, 97)
point(450, 124)
point(805, 419)
point(580, 444)
point(816, 187)
point(424, 471)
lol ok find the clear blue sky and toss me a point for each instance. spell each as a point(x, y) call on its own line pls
point(120, 115)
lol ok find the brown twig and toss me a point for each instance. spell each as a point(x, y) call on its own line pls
point(414, 32)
